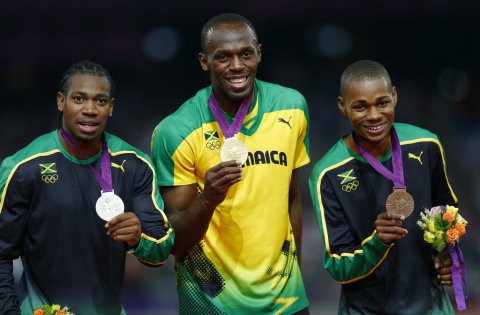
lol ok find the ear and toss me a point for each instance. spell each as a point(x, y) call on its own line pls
point(394, 95)
point(112, 104)
point(259, 53)
point(341, 106)
point(203, 61)
point(60, 101)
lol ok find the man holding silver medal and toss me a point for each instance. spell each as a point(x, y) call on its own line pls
point(228, 163)
point(74, 202)
point(365, 188)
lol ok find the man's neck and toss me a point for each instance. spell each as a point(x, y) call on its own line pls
point(376, 149)
point(86, 149)
point(228, 105)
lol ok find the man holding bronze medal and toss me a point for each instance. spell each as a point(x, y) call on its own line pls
point(74, 202)
point(228, 163)
point(368, 192)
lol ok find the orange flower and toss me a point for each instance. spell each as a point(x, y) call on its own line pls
point(38, 312)
point(60, 313)
point(448, 216)
point(452, 235)
point(461, 229)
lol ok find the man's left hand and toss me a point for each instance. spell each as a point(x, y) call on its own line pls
point(443, 265)
point(125, 227)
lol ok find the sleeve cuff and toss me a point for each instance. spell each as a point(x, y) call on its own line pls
point(379, 242)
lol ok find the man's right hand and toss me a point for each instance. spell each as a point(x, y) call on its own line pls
point(218, 180)
point(389, 227)
point(190, 213)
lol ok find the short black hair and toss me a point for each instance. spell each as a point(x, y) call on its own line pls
point(363, 70)
point(85, 67)
point(224, 18)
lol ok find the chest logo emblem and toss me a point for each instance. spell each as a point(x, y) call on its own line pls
point(49, 173)
point(212, 140)
point(119, 166)
point(418, 158)
point(349, 182)
point(287, 122)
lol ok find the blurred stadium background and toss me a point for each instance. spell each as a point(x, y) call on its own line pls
point(430, 48)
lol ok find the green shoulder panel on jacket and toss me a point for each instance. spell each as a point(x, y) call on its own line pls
point(174, 129)
point(43, 145)
point(407, 132)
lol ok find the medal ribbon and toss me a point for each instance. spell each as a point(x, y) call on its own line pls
point(397, 175)
point(104, 180)
point(227, 129)
point(459, 276)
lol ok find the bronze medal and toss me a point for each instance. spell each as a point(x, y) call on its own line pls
point(400, 202)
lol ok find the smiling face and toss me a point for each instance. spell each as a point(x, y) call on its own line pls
point(86, 108)
point(231, 54)
point(369, 105)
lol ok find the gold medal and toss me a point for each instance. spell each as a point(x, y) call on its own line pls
point(400, 202)
point(233, 149)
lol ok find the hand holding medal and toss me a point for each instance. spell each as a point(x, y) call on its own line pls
point(389, 227)
point(125, 227)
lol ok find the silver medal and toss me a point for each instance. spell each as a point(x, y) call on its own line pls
point(109, 205)
point(233, 149)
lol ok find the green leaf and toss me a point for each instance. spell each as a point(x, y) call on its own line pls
point(442, 224)
point(439, 245)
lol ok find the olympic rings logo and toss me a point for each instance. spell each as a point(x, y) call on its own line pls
point(213, 145)
point(50, 178)
point(350, 186)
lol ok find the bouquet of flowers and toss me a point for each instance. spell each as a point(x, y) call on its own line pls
point(443, 226)
point(53, 309)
